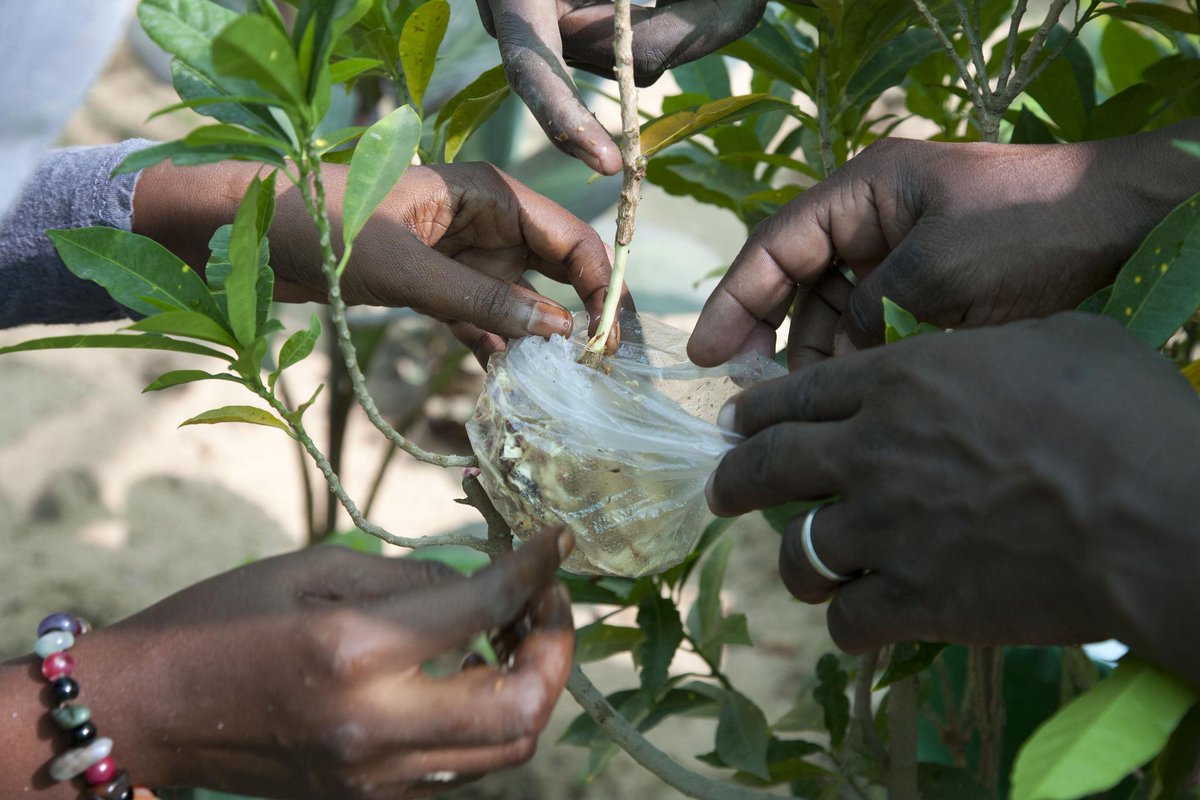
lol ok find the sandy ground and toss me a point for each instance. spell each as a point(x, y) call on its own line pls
point(106, 506)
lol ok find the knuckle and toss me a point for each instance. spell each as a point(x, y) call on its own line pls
point(336, 641)
point(346, 743)
point(490, 304)
point(524, 750)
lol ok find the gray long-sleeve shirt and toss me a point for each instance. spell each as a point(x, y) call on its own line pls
point(69, 188)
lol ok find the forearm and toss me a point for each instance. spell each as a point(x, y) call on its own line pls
point(69, 189)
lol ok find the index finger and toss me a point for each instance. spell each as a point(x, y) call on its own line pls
point(792, 247)
point(531, 48)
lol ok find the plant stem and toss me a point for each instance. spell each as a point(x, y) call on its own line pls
point(619, 730)
point(634, 171)
point(335, 486)
point(863, 715)
point(902, 728)
point(314, 195)
point(951, 51)
point(824, 135)
point(975, 45)
point(310, 513)
point(1020, 78)
point(1010, 49)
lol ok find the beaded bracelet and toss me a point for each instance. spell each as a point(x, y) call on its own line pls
point(90, 755)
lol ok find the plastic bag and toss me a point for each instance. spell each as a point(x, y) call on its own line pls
point(619, 455)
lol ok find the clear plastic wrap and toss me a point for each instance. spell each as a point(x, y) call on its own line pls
point(619, 455)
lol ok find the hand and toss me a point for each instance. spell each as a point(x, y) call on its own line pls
point(1027, 484)
point(452, 241)
point(301, 676)
point(961, 235)
point(536, 35)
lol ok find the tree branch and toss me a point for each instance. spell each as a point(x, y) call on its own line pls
point(824, 134)
point(1010, 49)
point(1072, 35)
point(903, 704)
point(617, 728)
point(863, 715)
point(1020, 78)
point(975, 45)
point(952, 52)
point(635, 170)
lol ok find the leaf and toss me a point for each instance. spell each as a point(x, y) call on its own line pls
point(768, 49)
point(250, 225)
point(830, 694)
point(419, 42)
point(237, 109)
point(1066, 89)
point(383, 154)
point(182, 376)
point(743, 736)
point(1096, 303)
point(185, 155)
point(251, 47)
point(665, 131)
point(350, 68)
point(705, 76)
point(1192, 373)
point(338, 138)
point(186, 323)
point(215, 135)
point(148, 341)
point(464, 113)
point(909, 658)
point(185, 28)
point(901, 324)
point(248, 414)
point(1031, 129)
point(1103, 735)
point(131, 267)
point(659, 618)
point(205, 101)
point(1158, 289)
point(705, 619)
point(1162, 18)
point(300, 344)
point(889, 66)
point(1126, 53)
point(1176, 764)
point(942, 782)
point(599, 641)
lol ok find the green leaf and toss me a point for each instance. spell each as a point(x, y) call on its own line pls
point(148, 341)
point(247, 414)
point(659, 619)
point(419, 43)
point(942, 782)
point(131, 267)
point(350, 68)
point(249, 110)
point(830, 693)
point(1096, 303)
point(383, 154)
point(182, 376)
point(250, 225)
point(216, 135)
point(705, 619)
point(464, 113)
point(207, 101)
point(889, 66)
point(658, 134)
point(300, 344)
point(185, 28)
point(1192, 373)
point(743, 735)
point(599, 641)
point(185, 323)
point(779, 517)
point(251, 47)
point(706, 76)
point(1126, 53)
point(1158, 289)
point(1191, 148)
point(909, 658)
point(1162, 18)
point(184, 155)
point(771, 50)
point(901, 324)
point(1066, 89)
point(786, 762)
point(1103, 735)
point(1176, 764)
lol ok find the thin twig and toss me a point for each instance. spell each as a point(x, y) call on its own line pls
point(952, 52)
point(903, 703)
point(314, 191)
point(863, 715)
point(824, 133)
point(631, 181)
point(1020, 78)
point(310, 506)
point(626, 736)
point(1071, 36)
point(1010, 49)
point(335, 486)
point(499, 533)
point(975, 45)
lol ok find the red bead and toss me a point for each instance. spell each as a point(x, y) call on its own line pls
point(101, 772)
point(58, 665)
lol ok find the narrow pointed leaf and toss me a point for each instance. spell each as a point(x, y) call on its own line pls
point(300, 344)
point(247, 414)
point(665, 131)
point(148, 341)
point(185, 323)
point(382, 155)
point(659, 619)
point(743, 736)
point(470, 108)
point(419, 43)
point(350, 68)
point(181, 376)
point(252, 48)
point(131, 267)
point(185, 155)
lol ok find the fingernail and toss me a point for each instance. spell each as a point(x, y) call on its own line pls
point(566, 545)
point(727, 418)
point(547, 319)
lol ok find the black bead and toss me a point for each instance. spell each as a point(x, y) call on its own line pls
point(82, 735)
point(64, 689)
point(127, 794)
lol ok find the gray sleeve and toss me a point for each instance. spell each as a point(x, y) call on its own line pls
point(70, 188)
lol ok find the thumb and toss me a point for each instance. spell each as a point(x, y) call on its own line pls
point(905, 278)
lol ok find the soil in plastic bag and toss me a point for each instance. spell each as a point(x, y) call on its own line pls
point(619, 455)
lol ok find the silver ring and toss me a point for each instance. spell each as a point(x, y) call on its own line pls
point(813, 559)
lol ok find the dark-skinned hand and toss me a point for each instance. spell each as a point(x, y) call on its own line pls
point(301, 676)
point(451, 241)
point(539, 39)
point(1033, 483)
point(961, 235)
